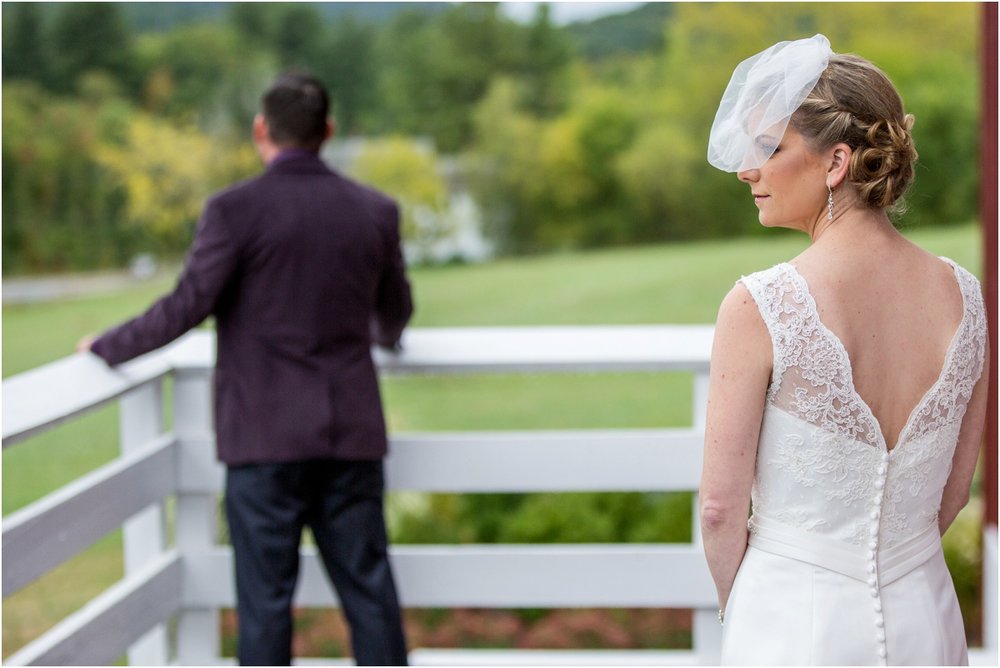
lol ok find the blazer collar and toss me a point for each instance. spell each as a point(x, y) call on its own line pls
point(297, 162)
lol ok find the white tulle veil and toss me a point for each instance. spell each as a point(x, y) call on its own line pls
point(761, 97)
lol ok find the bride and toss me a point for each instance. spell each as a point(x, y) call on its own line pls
point(847, 394)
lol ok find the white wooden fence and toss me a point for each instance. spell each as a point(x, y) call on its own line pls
point(190, 579)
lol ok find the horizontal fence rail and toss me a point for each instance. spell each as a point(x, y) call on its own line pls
point(35, 401)
point(58, 527)
point(103, 630)
point(653, 460)
point(187, 582)
point(498, 576)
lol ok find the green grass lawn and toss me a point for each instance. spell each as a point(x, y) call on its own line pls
point(680, 283)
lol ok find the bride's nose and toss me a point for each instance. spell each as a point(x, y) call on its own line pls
point(748, 175)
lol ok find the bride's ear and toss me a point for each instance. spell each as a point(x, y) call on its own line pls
point(840, 162)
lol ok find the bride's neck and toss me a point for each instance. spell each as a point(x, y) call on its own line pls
point(854, 227)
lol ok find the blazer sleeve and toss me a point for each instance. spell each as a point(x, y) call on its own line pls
point(394, 301)
point(210, 267)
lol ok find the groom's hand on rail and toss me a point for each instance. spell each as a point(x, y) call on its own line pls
point(84, 344)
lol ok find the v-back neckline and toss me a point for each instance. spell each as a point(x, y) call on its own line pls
point(839, 345)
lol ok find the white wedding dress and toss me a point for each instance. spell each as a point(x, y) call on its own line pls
point(844, 564)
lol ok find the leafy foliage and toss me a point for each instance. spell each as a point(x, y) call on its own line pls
point(167, 172)
point(89, 36)
point(434, 70)
point(622, 517)
point(575, 137)
point(656, 183)
point(24, 52)
point(57, 207)
point(203, 75)
point(411, 172)
point(104, 181)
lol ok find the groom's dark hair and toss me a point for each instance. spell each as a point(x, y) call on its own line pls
point(295, 108)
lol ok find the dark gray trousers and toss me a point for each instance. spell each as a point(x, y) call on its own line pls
point(267, 506)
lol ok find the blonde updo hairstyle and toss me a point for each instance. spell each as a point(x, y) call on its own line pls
point(855, 103)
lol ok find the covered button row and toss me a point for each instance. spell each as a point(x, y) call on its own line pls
point(873, 532)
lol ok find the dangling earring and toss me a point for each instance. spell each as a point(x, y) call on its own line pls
point(829, 203)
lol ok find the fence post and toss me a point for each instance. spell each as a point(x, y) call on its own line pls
point(989, 590)
point(198, 636)
point(699, 404)
point(707, 633)
point(144, 535)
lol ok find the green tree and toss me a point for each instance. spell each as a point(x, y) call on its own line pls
point(203, 74)
point(297, 33)
point(946, 134)
point(252, 20)
point(90, 181)
point(936, 70)
point(294, 32)
point(409, 172)
point(576, 194)
point(346, 63)
point(929, 58)
point(506, 168)
point(404, 85)
point(552, 183)
point(167, 172)
point(91, 36)
point(24, 45)
point(342, 55)
point(436, 69)
point(59, 212)
point(544, 66)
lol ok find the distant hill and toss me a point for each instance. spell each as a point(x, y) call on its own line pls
point(641, 29)
point(164, 16)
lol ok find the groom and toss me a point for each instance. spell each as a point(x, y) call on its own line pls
point(302, 270)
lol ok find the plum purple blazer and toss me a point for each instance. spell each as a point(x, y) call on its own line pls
point(302, 270)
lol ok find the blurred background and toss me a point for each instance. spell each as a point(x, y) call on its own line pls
point(502, 131)
point(550, 163)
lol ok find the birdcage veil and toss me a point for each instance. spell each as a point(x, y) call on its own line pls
point(761, 97)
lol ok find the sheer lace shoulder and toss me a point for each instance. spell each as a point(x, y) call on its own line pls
point(948, 399)
point(811, 378)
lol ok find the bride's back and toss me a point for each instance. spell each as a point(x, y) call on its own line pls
point(869, 336)
point(895, 309)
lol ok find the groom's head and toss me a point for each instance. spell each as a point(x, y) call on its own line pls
point(295, 110)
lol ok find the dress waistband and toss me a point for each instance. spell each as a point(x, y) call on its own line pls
point(851, 560)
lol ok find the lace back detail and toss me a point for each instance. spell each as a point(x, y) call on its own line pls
point(822, 465)
point(811, 376)
point(948, 399)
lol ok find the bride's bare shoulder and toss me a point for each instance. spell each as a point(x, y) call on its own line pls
point(739, 314)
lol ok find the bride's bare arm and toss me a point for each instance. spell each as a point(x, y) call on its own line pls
point(956, 491)
point(740, 370)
